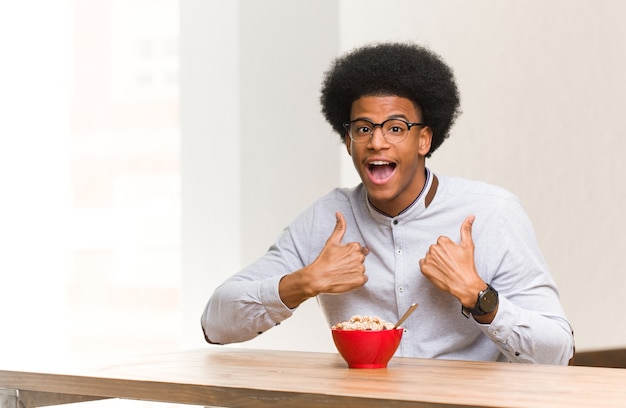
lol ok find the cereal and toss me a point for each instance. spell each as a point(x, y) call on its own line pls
point(364, 323)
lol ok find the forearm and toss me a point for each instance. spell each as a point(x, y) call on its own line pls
point(241, 310)
point(528, 337)
point(294, 289)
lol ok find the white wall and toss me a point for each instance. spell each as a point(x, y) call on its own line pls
point(542, 89)
point(255, 149)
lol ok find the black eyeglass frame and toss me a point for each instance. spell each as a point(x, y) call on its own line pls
point(409, 125)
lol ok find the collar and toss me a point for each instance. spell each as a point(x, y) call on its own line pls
point(423, 200)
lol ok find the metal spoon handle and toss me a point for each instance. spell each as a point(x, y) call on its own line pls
point(405, 315)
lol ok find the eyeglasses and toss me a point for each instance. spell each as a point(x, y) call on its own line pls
point(394, 130)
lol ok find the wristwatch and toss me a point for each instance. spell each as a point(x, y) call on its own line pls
point(487, 302)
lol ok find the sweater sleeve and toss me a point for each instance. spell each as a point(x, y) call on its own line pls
point(240, 310)
point(530, 325)
point(525, 336)
point(248, 303)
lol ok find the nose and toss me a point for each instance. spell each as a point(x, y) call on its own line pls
point(377, 140)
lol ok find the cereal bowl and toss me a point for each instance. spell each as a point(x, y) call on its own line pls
point(367, 348)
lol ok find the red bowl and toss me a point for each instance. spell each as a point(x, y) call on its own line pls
point(367, 348)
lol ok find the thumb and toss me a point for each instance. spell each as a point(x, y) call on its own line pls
point(339, 231)
point(466, 230)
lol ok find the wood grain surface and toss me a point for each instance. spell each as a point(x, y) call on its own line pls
point(237, 377)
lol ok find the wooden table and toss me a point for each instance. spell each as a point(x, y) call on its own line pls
point(236, 377)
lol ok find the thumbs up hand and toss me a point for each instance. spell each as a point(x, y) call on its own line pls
point(337, 269)
point(451, 267)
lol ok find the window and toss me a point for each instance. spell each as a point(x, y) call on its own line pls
point(89, 177)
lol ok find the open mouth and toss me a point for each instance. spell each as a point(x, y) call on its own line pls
point(380, 171)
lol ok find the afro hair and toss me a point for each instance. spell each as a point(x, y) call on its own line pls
point(392, 69)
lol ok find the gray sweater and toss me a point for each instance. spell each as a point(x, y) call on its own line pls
point(530, 325)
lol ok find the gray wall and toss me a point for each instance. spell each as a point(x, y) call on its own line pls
point(542, 88)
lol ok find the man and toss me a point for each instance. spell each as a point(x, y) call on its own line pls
point(464, 250)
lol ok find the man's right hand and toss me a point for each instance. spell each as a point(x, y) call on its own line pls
point(337, 269)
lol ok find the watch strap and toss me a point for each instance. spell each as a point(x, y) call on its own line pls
point(477, 310)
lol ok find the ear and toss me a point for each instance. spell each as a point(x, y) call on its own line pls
point(425, 140)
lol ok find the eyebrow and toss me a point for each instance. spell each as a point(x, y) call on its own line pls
point(398, 116)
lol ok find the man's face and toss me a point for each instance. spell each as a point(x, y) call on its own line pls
point(392, 173)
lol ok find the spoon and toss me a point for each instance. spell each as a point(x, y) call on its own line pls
point(406, 314)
